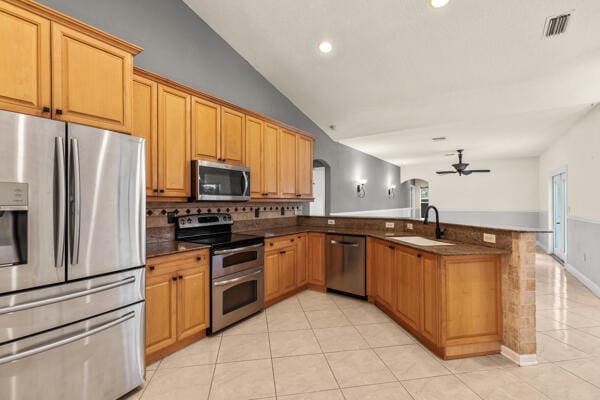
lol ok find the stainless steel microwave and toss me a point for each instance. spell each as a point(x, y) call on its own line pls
point(220, 182)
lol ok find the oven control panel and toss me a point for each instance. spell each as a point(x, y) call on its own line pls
point(204, 220)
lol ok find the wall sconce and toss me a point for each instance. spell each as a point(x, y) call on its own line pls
point(391, 191)
point(360, 188)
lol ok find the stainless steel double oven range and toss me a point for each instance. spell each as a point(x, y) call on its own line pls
point(72, 255)
point(237, 266)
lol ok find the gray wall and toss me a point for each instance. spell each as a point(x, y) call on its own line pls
point(179, 45)
point(583, 252)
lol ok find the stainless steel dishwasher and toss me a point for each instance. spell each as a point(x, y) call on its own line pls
point(345, 264)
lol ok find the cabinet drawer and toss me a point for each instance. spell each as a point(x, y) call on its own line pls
point(157, 266)
point(280, 242)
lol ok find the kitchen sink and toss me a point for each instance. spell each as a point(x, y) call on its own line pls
point(420, 241)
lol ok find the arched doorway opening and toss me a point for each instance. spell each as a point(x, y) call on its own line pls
point(321, 189)
point(415, 196)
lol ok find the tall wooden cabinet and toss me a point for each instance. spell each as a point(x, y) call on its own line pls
point(287, 164)
point(261, 156)
point(162, 116)
point(206, 130)
point(304, 154)
point(177, 302)
point(56, 67)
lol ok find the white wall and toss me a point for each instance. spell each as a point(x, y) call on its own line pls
point(578, 152)
point(511, 186)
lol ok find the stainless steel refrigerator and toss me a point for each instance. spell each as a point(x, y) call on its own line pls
point(72, 255)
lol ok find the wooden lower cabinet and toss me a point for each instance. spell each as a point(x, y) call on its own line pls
point(452, 304)
point(288, 269)
point(316, 260)
point(177, 302)
point(301, 260)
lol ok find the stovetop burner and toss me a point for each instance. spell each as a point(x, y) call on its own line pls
point(213, 230)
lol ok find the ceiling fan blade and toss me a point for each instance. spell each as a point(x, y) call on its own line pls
point(445, 172)
point(479, 170)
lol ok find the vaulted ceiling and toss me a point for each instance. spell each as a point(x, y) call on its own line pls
point(479, 72)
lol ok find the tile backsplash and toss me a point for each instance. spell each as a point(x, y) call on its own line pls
point(244, 215)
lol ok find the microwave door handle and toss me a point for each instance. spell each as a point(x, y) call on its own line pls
point(76, 221)
point(246, 185)
point(61, 203)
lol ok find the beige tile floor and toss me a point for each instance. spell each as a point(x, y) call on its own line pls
point(325, 346)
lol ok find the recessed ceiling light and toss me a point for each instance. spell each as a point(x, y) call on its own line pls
point(325, 47)
point(438, 3)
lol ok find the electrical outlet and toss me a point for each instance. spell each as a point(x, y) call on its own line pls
point(490, 238)
point(409, 226)
point(331, 222)
point(389, 224)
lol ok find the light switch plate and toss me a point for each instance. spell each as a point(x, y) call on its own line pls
point(490, 238)
point(389, 224)
point(409, 226)
point(331, 221)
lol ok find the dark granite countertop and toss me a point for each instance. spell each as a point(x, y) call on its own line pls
point(166, 248)
point(455, 249)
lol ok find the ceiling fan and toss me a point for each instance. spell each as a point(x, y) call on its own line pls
point(461, 167)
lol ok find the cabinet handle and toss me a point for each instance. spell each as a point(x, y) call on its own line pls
point(270, 244)
point(291, 240)
point(46, 109)
point(155, 190)
point(180, 276)
point(224, 160)
point(419, 255)
point(58, 111)
point(199, 258)
point(152, 268)
point(298, 195)
point(162, 190)
point(391, 247)
point(174, 279)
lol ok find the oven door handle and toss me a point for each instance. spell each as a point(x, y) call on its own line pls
point(237, 250)
point(234, 280)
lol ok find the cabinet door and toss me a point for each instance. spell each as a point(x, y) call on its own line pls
point(272, 275)
point(206, 130)
point(174, 142)
point(91, 81)
point(384, 258)
point(288, 269)
point(254, 155)
point(429, 298)
point(316, 258)
point(303, 167)
point(232, 136)
point(301, 260)
point(161, 312)
point(144, 125)
point(193, 314)
point(287, 164)
point(270, 159)
point(25, 66)
point(408, 287)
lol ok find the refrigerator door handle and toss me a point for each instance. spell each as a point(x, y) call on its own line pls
point(61, 203)
point(65, 297)
point(76, 202)
point(65, 341)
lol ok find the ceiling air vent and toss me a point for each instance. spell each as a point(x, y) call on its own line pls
point(557, 25)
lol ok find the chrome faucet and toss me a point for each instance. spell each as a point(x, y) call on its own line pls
point(438, 232)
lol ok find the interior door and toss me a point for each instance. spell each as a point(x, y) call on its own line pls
point(32, 156)
point(107, 201)
point(559, 209)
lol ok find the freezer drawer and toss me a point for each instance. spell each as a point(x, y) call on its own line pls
point(100, 358)
point(34, 311)
point(345, 268)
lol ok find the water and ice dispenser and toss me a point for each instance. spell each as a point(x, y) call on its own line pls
point(13, 223)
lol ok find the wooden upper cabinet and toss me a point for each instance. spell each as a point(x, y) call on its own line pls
point(193, 313)
point(254, 155)
point(206, 130)
point(145, 105)
point(25, 61)
point(232, 136)
point(304, 187)
point(270, 160)
point(174, 142)
point(287, 164)
point(91, 80)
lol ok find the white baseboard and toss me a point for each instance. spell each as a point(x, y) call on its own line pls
point(522, 360)
point(583, 279)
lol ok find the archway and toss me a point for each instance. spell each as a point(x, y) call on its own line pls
point(321, 189)
point(415, 195)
